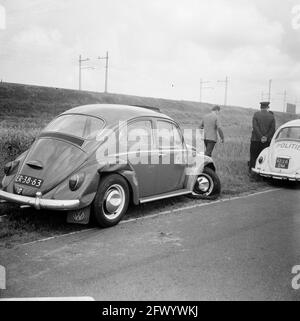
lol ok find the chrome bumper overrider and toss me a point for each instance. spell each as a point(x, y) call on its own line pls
point(39, 203)
point(277, 175)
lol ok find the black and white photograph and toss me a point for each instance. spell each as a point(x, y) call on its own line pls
point(149, 152)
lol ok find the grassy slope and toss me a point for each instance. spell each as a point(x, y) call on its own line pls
point(24, 110)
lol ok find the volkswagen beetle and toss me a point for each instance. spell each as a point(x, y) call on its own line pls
point(80, 163)
point(281, 161)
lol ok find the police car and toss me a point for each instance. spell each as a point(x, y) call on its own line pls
point(281, 161)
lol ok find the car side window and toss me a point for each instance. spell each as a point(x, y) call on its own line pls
point(177, 138)
point(168, 135)
point(139, 136)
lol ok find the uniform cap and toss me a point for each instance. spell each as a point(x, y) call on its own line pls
point(264, 104)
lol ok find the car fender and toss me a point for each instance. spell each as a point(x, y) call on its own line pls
point(8, 180)
point(86, 193)
point(195, 168)
point(265, 165)
point(127, 171)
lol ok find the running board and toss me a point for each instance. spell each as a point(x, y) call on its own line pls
point(165, 195)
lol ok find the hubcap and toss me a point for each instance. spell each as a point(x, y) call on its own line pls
point(114, 201)
point(204, 185)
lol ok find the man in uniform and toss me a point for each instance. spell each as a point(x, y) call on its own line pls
point(212, 127)
point(263, 130)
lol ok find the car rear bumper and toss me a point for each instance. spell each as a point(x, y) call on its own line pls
point(39, 203)
point(277, 175)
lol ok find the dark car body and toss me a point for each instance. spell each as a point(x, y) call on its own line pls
point(63, 170)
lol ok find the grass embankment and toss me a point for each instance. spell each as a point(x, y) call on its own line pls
point(24, 110)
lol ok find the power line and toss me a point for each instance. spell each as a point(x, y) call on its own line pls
point(284, 94)
point(201, 87)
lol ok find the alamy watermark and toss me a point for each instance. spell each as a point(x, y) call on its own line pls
point(2, 18)
point(2, 278)
point(296, 17)
point(144, 145)
point(296, 278)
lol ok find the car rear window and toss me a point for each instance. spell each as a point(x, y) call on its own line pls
point(289, 133)
point(82, 126)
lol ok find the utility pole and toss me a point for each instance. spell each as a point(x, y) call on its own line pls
point(284, 94)
point(296, 103)
point(270, 89)
point(201, 87)
point(284, 101)
point(80, 68)
point(106, 71)
point(226, 82)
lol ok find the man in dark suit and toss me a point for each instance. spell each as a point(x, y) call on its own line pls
point(264, 126)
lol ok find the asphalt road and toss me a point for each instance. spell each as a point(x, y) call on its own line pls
point(242, 249)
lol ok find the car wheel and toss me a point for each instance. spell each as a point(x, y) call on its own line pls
point(207, 186)
point(111, 201)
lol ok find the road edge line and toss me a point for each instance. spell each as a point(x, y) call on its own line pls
point(154, 215)
point(197, 206)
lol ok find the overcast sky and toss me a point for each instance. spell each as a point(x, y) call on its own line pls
point(157, 48)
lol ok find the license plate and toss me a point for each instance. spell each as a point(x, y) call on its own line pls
point(282, 163)
point(29, 181)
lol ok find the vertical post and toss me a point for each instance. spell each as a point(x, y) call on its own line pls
point(201, 86)
point(80, 60)
point(284, 101)
point(226, 81)
point(270, 89)
point(106, 73)
point(226, 91)
point(80, 69)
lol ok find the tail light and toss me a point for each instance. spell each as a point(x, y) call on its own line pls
point(76, 181)
point(10, 167)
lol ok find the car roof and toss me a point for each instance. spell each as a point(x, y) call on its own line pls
point(113, 113)
point(291, 123)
